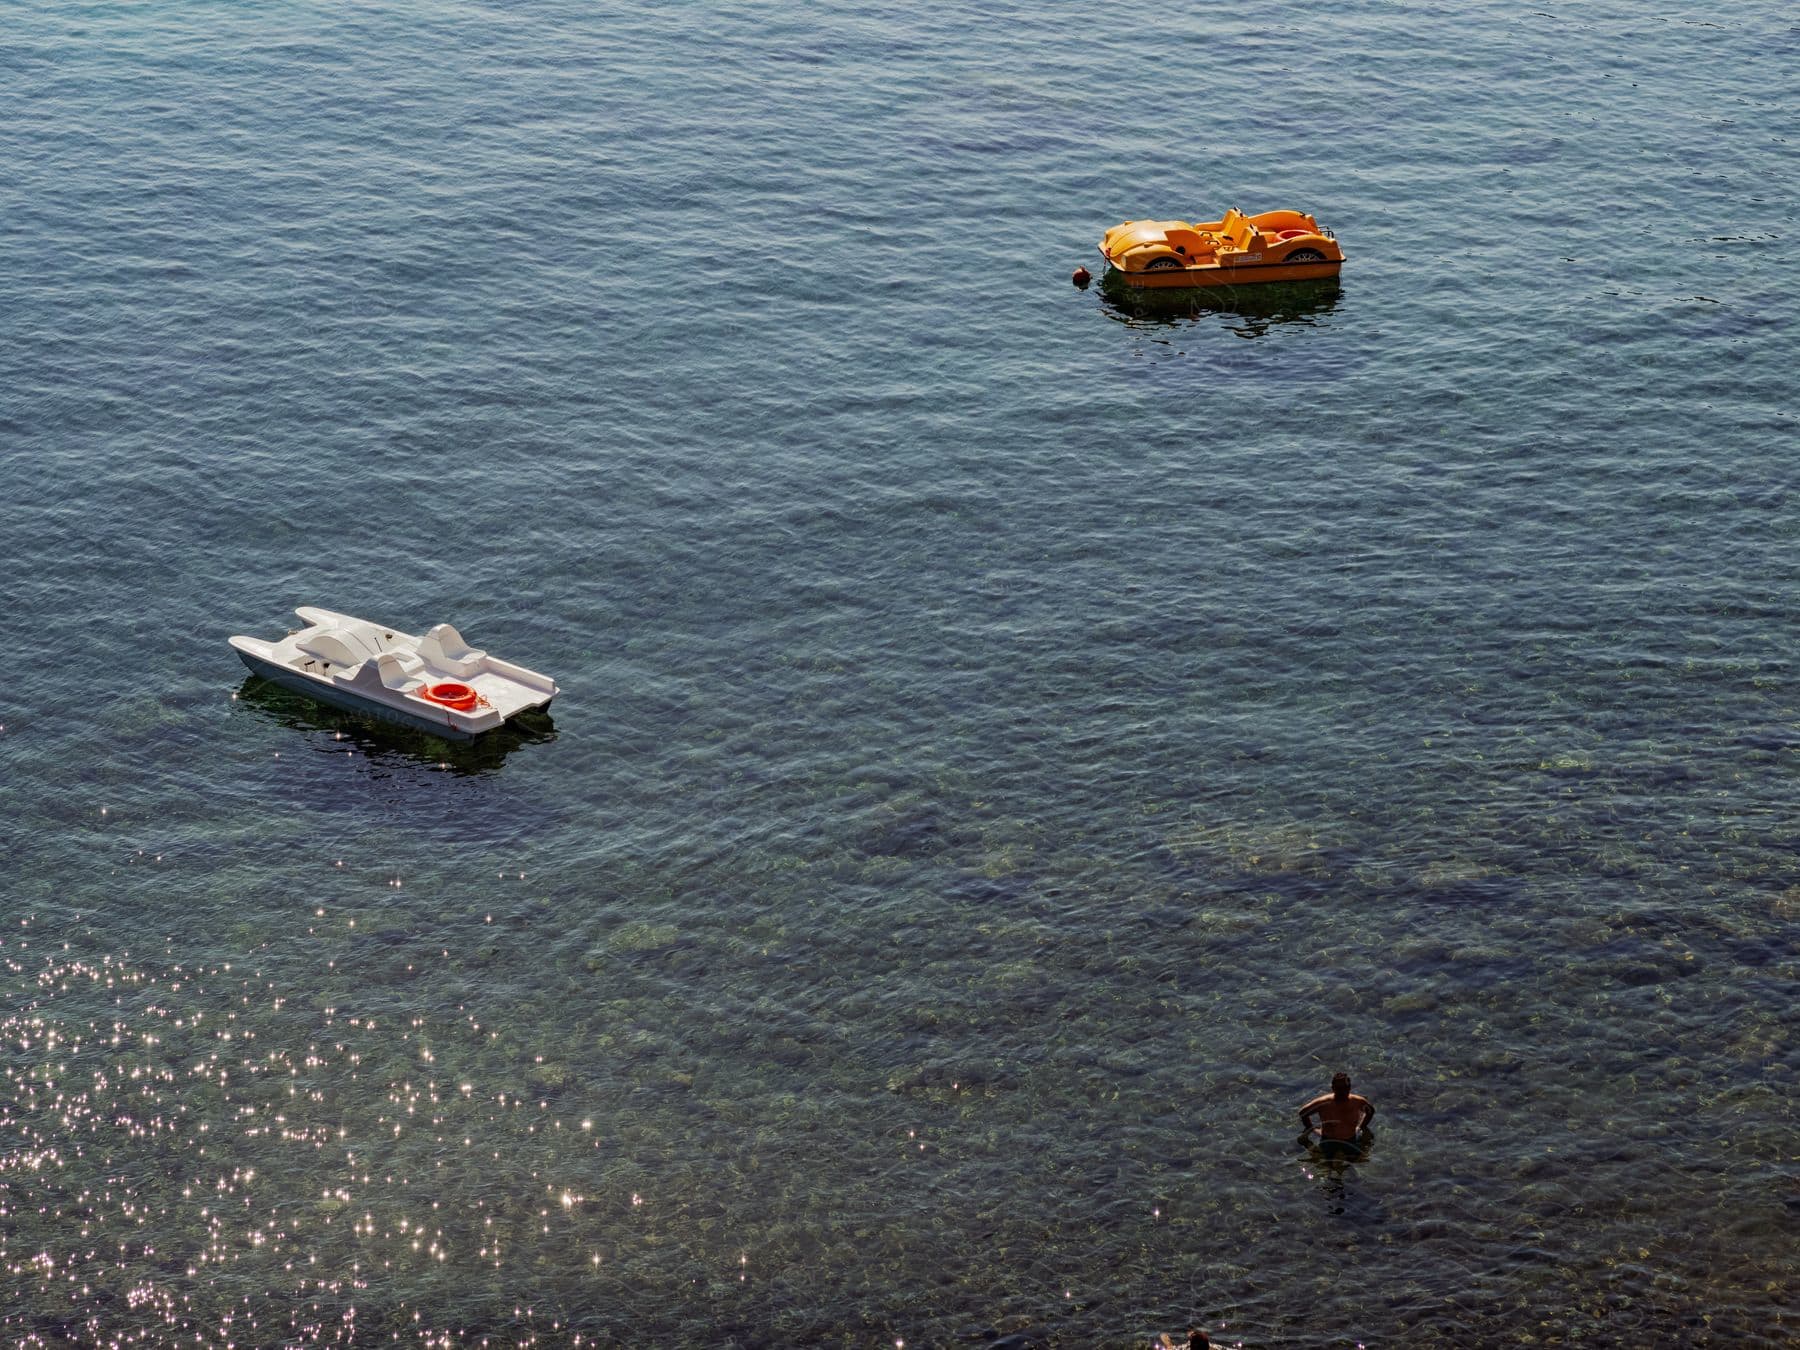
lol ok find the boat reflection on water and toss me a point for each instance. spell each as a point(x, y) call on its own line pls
point(379, 740)
point(1248, 311)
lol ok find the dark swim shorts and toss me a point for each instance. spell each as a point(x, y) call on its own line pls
point(1340, 1150)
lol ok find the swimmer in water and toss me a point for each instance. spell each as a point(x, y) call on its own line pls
point(1196, 1340)
point(1343, 1120)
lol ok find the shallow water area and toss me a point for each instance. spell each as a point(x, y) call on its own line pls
point(1015, 741)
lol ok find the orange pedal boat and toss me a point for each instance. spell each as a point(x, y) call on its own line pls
point(1234, 251)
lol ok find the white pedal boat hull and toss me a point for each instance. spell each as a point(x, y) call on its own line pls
point(383, 673)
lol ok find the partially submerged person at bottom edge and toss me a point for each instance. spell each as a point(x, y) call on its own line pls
point(1343, 1119)
point(1196, 1340)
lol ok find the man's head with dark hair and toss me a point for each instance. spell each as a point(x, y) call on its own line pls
point(1340, 1085)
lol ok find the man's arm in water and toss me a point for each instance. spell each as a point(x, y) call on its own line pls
point(1368, 1112)
point(1312, 1109)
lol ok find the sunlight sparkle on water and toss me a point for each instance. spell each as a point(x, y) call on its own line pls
point(276, 1072)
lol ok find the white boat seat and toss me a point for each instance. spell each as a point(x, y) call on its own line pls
point(398, 670)
point(341, 646)
point(444, 649)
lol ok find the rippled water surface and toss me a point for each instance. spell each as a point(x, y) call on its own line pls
point(1015, 742)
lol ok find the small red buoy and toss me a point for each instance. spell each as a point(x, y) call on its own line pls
point(1080, 277)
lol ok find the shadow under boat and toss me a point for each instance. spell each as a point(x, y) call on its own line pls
point(382, 740)
point(1257, 308)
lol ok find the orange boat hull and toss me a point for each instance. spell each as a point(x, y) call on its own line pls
point(1241, 275)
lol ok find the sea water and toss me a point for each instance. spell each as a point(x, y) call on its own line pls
point(1016, 742)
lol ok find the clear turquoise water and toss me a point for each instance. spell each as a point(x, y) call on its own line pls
point(1014, 743)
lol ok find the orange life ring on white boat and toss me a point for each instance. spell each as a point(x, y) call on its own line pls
point(452, 694)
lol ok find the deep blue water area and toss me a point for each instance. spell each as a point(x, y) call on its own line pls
point(1015, 741)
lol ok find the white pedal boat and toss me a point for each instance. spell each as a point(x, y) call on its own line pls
point(436, 683)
